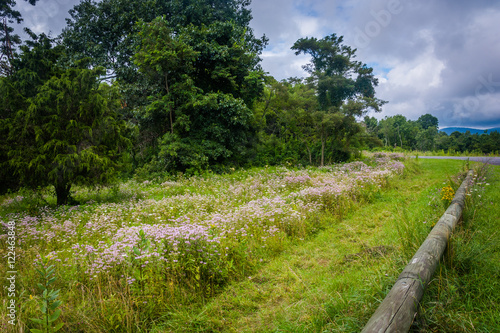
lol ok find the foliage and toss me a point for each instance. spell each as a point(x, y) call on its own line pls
point(199, 117)
point(422, 134)
point(294, 129)
point(166, 58)
point(339, 77)
point(283, 117)
point(35, 65)
point(181, 57)
point(104, 31)
point(50, 303)
point(427, 120)
point(69, 134)
point(345, 90)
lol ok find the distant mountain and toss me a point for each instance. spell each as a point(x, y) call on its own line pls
point(449, 130)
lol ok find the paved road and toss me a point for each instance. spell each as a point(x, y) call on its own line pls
point(489, 160)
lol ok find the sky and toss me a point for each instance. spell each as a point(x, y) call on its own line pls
point(438, 57)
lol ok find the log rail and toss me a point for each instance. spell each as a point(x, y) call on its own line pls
point(399, 308)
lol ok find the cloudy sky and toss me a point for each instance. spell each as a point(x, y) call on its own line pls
point(438, 57)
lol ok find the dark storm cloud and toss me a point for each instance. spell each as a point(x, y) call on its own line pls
point(438, 57)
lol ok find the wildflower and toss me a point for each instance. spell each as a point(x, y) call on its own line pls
point(447, 193)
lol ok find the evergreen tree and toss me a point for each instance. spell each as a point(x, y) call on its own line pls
point(69, 134)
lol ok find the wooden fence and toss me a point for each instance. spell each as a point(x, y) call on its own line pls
point(399, 308)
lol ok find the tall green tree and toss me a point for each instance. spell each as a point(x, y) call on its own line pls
point(397, 131)
point(165, 57)
point(372, 127)
point(345, 87)
point(285, 123)
point(31, 67)
point(426, 139)
point(427, 120)
point(203, 81)
point(105, 31)
point(69, 134)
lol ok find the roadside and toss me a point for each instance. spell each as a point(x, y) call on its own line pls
point(493, 160)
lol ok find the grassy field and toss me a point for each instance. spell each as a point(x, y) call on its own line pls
point(263, 250)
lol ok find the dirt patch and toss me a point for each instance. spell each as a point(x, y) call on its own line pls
point(372, 252)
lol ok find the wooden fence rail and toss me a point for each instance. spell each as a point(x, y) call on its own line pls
point(399, 308)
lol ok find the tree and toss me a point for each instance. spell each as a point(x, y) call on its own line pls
point(344, 86)
point(69, 134)
point(35, 64)
point(208, 79)
point(209, 48)
point(105, 31)
point(284, 121)
point(164, 57)
point(327, 125)
point(371, 124)
point(213, 129)
point(372, 127)
point(427, 120)
point(426, 138)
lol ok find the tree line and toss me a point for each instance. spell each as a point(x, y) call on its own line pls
point(160, 87)
point(423, 135)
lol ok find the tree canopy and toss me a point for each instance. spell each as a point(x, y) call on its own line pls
point(345, 89)
point(175, 57)
point(203, 81)
point(105, 31)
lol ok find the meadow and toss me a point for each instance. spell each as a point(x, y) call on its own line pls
point(201, 253)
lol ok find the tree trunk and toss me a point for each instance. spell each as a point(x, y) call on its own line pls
point(62, 193)
point(400, 139)
point(309, 153)
point(322, 153)
point(170, 107)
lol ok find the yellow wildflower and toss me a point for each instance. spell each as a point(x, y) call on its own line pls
point(447, 193)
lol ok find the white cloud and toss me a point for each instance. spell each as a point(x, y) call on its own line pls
point(308, 26)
